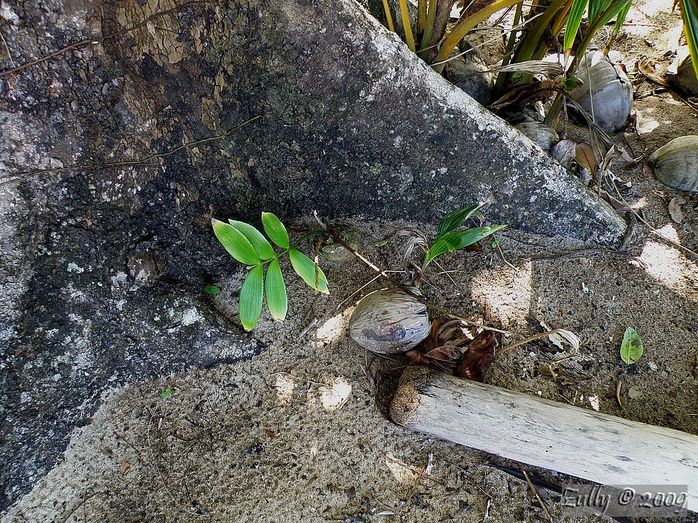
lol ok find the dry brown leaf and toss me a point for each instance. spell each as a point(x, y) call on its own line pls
point(125, 468)
point(585, 157)
point(477, 360)
point(646, 67)
point(675, 209)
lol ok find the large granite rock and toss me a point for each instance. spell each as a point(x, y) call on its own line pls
point(104, 211)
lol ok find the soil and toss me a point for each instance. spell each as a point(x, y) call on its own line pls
point(298, 434)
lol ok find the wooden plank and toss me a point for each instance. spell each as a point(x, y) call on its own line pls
point(583, 443)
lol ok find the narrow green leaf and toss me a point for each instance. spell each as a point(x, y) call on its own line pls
point(251, 296)
point(429, 26)
point(620, 19)
point(308, 270)
point(456, 240)
point(261, 246)
point(596, 7)
point(631, 348)
point(454, 219)
point(574, 19)
point(464, 26)
point(405, 15)
point(612, 9)
point(276, 291)
point(689, 13)
point(212, 290)
point(235, 243)
point(275, 229)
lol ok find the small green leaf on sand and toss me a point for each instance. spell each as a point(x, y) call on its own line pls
point(275, 229)
point(631, 348)
point(308, 270)
point(251, 296)
point(235, 243)
point(276, 291)
point(166, 393)
point(212, 290)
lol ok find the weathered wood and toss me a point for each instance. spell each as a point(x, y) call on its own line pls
point(575, 441)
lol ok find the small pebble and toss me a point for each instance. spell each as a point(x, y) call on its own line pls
point(634, 393)
point(653, 366)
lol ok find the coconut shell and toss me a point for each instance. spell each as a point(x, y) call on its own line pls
point(675, 164)
point(389, 321)
point(608, 86)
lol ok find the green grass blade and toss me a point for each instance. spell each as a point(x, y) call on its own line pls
point(456, 240)
point(534, 35)
point(689, 13)
point(612, 11)
point(429, 25)
point(388, 16)
point(597, 7)
point(620, 19)
point(260, 244)
point(235, 243)
point(275, 229)
point(464, 26)
point(454, 220)
point(421, 16)
point(277, 301)
point(251, 296)
point(574, 19)
point(405, 15)
point(309, 271)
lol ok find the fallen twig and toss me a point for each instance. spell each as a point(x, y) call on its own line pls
point(540, 500)
point(387, 277)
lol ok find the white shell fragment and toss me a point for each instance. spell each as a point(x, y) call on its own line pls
point(607, 85)
point(389, 321)
point(675, 164)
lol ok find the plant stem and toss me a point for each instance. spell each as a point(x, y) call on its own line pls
point(429, 25)
point(388, 16)
point(466, 24)
point(409, 290)
point(405, 14)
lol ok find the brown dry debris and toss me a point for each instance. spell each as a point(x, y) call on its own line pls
point(456, 348)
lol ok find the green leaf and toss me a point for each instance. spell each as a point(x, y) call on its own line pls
point(454, 219)
point(596, 7)
point(212, 290)
point(612, 9)
point(405, 15)
point(261, 246)
point(689, 13)
point(235, 243)
point(631, 348)
point(166, 393)
point(275, 229)
point(308, 270)
point(251, 296)
point(574, 19)
point(620, 19)
point(276, 291)
point(456, 240)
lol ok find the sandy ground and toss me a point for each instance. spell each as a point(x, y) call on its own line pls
point(296, 434)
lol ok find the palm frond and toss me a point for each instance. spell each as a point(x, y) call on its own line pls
point(689, 13)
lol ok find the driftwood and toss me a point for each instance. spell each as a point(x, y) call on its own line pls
point(575, 441)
